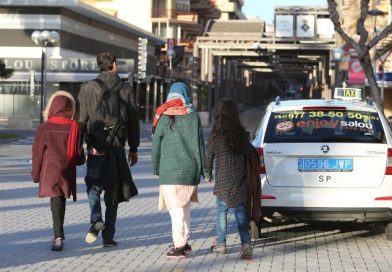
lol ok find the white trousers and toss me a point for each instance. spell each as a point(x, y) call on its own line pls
point(180, 219)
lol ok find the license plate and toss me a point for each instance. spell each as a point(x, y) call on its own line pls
point(325, 165)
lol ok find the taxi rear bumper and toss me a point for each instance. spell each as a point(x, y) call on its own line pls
point(330, 214)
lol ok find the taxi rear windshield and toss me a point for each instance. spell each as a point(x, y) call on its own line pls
point(325, 126)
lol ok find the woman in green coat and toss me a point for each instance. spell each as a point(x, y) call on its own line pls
point(178, 160)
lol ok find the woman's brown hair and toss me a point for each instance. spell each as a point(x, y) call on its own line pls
point(228, 124)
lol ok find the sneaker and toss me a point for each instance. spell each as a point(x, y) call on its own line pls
point(246, 251)
point(176, 253)
point(109, 243)
point(92, 234)
point(218, 249)
point(57, 244)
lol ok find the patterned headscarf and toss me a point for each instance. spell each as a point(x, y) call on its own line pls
point(178, 102)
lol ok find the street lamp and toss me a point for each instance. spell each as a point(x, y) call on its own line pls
point(375, 13)
point(43, 39)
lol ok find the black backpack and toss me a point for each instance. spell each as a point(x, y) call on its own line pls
point(107, 126)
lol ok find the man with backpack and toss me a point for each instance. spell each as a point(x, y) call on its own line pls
point(108, 118)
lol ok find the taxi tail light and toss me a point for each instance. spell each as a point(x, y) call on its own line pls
point(262, 165)
point(324, 108)
point(384, 198)
point(270, 197)
point(388, 168)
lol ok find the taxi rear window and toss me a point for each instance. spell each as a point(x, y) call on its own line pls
point(324, 126)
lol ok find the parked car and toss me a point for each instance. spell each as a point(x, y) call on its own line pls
point(326, 160)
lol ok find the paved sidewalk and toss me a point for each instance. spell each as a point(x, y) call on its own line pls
point(144, 232)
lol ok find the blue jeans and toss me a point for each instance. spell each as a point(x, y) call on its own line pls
point(94, 200)
point(94, 181)
point(221, 222)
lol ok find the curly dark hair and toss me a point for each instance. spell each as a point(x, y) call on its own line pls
point(228, 124)
point(105, 60)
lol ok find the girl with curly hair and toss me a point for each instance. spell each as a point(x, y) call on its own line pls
point(227, 145)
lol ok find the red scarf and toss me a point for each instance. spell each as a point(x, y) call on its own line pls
point(72, 139)
point(162, 108)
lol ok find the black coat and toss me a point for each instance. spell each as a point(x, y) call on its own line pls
point(118, 176)
point(110, 170)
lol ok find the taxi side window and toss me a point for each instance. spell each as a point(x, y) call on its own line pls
point(259, 125)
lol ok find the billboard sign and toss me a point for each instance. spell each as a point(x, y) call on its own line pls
point(284, 26)
point(325, 28)
point(305, 26)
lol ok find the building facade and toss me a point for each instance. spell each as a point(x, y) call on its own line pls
point(230, 9)
point(83, 33)
point(137, 13)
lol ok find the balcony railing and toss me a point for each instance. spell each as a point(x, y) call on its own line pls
point(172, 13)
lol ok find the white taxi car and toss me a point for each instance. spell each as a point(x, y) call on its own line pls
point(326, 160)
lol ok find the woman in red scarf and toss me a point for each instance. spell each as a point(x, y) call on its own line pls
point(178, 159)
point(57, 149)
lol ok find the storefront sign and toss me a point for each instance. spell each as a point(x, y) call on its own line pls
point(356, 74)
point(82, 65)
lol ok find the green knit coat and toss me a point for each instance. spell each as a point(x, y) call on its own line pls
point(178, 152)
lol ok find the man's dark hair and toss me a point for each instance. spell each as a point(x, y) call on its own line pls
point(105, 60)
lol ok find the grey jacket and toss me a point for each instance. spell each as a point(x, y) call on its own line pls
point(90, 95)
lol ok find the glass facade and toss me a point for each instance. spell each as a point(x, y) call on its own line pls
point(17, 100)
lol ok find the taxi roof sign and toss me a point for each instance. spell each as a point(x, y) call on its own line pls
point(348, 93)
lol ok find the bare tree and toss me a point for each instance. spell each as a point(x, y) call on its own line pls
point(363, 46)
point(5, 72)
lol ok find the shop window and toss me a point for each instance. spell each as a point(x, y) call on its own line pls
point(183, 5)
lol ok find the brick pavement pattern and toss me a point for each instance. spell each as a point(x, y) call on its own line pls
point(144, 232)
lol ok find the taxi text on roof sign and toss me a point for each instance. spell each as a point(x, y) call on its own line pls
point(348, 93)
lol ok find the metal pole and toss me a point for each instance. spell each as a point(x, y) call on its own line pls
point(170, 62)
point(161, 86)
point(43, 79)
point(137, 93)
point(44, 74)
point(147, 101)
point(32, 87)
point(154, 102)
point(382, 88)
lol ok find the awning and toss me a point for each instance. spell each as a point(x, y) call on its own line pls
point(57, 77)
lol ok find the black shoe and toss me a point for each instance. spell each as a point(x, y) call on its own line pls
point(57, 244)
point(187, 248)
point(109, 243)
point(92, 234)
point(176, 253)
